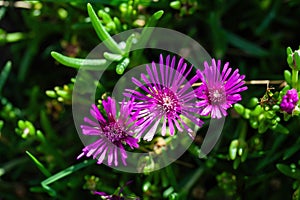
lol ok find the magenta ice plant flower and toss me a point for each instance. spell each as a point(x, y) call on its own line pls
point(111, 133)
point(219, 89)
point(165, 96)
point(289, 101)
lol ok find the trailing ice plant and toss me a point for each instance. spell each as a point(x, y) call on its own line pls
point(164, 96)
point(267, 112)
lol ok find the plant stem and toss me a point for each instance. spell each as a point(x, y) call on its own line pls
point(186, 188)
point(294, 78)
point(243, 130)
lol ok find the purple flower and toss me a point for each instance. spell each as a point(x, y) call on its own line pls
point(165, 96)
point(219, 90)
point(111, 133)
point(289, 101)
point(109, 197)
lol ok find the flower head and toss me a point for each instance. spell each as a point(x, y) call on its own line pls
point(112, 133)
point(289, 101)
point(219, 90)
point(165, 96)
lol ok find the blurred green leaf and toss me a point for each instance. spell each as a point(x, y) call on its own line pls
point(217, 34)
point(2, 12)
point(245, 45)
point(63, 174)
point(8, 166)
point(191, 180)
point(39, 164)
point(288, 171)
point(4, 74)
point(292, 150)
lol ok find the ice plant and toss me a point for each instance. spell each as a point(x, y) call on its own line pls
point(219, 90)
point(111, 133)
point(165, 95)
point(289, 101)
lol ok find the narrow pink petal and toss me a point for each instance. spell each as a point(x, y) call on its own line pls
point(178, 126)
point(150, 134)
point(102, 156)
point(116, 156)
point(171, 126)
point(110, 155)
point(123, 155)
point(163, 128)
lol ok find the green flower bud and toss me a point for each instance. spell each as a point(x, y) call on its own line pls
point(296, 57)
point(287, 76)
point(254, 124)
point(1, 124)
point(275, 107)
point(262, 127)
point(122, 66)
point(25, 129)
point(261, 117)
point(293, 59)
point(289, 50)
point(253, 102)
point(175, 5)
point(247, 113)
point(239, 108)
point(233, 148)
point(257, 110)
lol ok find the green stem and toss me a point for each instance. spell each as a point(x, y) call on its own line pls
point(295, 78)
point(63, 174)
point(186, 188)
point(243, 130)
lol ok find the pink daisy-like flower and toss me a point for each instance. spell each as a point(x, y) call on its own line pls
point(112, 133)
point(219, 89)
point(165, 96)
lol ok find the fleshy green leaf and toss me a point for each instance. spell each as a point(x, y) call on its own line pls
point(281, 129)
point(175, 4)
point(94, 64)
point(129, 42)
point(102, 33)
point(287, 76)
point(122, 66)
point(239, 108)
point(112, 57)
point(39, 164)
point(288, 171)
